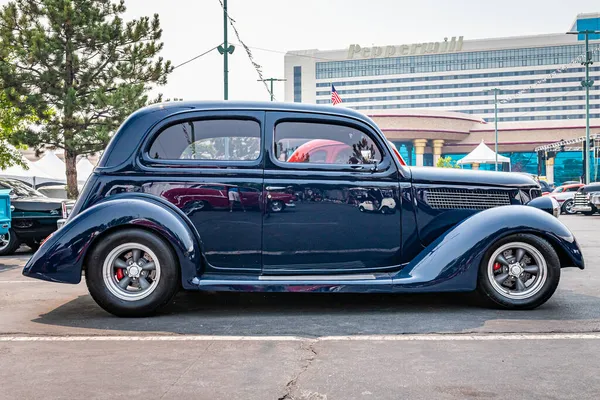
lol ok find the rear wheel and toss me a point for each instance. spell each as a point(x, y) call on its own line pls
point(519, 272)
point(567, 207)
point(132, 273)
point(32, 244)
point(9, 243)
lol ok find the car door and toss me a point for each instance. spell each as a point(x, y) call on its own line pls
point(205, 163)
point(344, 185)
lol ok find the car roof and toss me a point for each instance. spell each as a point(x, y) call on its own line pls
point(256, 105)
point(124, 143)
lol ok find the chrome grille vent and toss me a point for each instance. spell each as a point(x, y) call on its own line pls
point(580, 199)
point(466, 199)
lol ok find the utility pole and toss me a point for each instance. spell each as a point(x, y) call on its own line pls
point(224, 49)
point(587, 84)
point(495, 90)
point(271, 80)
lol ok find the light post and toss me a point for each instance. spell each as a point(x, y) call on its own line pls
point(224, 49)
point(495, 90)
point(271, 80)
point(587, 83)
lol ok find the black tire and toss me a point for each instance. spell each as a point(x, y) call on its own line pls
point(165, 289)
point(277, 206)
point(361, 209)
point(32, 244)
point(498, 300)
point(594, 211)
point(12, 245)
point(568, 205)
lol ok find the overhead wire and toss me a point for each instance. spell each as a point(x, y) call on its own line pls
point(256, 66)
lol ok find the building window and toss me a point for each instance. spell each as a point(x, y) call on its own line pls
point(297, 84)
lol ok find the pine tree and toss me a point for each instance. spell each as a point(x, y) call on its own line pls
point(82, 61)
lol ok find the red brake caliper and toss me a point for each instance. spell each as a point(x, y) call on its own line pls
point(120, 274)
point(497, 266)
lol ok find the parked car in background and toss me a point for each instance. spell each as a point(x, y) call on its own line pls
point(544, 185)
point(446, 230)
point(55, 191)
point(564, 195)
point(34, 216)
point(582, 199)
point(5, 211)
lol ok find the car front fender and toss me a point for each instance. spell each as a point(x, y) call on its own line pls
point(61, 257)
point(451, 262)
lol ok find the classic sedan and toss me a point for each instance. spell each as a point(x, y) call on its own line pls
point(447, 230)
point(34, 216)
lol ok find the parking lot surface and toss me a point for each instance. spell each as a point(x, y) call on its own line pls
point(55, 342)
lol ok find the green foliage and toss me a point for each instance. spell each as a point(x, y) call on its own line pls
point(81, 60)
point(11, 120)
point(446, 162)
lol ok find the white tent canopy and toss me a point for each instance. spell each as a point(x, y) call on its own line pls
point(52, 165)
point(84, 169)
point(482, 155)
point(32, 175)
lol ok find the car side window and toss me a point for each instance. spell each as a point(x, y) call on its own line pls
point(322, 143)
point(572, 189)
point(208, 139)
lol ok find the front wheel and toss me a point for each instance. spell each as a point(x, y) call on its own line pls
point(567, 207)
point(594, 210)
point(132, 273)
point(277, 206)
point(519, 272)
point(9, 243)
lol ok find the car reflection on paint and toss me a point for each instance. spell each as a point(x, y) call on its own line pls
point(330, 152)
point(217, 197)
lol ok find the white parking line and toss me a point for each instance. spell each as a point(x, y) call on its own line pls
point(397, 338)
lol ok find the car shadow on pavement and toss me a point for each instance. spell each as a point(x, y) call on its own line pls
point(320, 314)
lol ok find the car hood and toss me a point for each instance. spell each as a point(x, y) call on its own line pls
point(37, 203)
point(428, 175)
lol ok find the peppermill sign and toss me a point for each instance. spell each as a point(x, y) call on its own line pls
point(453, 45)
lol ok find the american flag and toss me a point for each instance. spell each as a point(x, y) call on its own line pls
point(335, 97)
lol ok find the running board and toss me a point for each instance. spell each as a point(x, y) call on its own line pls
point(352, 277)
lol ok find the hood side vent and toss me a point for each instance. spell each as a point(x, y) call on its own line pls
point(466, 199)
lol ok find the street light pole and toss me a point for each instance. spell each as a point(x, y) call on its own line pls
point(495, 90)
point(224, 49)
point(271, 80)
point(587, 83)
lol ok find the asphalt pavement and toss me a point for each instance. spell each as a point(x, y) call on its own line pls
point(55, 342)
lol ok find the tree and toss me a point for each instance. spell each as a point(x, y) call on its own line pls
point(10, 120)
point(446, 162)
point(79, 59)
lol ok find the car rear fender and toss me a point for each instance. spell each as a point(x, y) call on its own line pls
point(61, 258)
point(451, 262)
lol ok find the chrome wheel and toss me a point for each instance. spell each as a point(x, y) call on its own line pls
point(4, 241)
point(568, 207)
point(131, 271)
point(517, 270)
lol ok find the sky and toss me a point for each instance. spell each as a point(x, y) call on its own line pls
point(190, 27)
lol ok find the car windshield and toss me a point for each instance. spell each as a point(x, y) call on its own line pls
point(558, 189)
point(20, 189)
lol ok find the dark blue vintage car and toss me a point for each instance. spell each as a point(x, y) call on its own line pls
point(287, 197)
